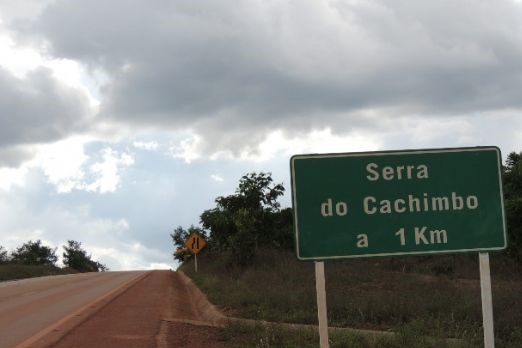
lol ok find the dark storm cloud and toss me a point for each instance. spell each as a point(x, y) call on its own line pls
point(36, 109)
point(219, 67)
point(13, 156)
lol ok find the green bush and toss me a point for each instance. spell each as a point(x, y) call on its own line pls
point(34, 253)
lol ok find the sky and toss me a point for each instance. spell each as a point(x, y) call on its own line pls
point(122, 119)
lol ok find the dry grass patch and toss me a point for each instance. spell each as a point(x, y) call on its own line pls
point(435, 297)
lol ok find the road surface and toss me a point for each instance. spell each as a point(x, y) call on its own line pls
point(112, 309)
point(29, 306)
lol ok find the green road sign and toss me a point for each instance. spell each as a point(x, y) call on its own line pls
point(398, 203)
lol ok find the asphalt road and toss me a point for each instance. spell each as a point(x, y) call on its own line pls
point(32, 307)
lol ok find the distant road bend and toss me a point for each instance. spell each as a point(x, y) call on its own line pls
point(31, 308)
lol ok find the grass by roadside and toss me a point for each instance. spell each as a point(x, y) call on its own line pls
point(425, 297)
point(239, 335)
point(14, 272)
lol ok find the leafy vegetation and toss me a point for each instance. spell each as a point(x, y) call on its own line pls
point(243, 222)
point(34, 253)
point(3, 255)
point(513, 203)
point(33, 259)
point(76, 257)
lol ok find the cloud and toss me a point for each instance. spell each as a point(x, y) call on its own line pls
point(37, 109)
point(62, 163)
point(21, 9)
point(146, 145)
point(319, 141)
point(188, 149)
point(108, 170)
point(217, 178)
point(56, 224)
point(12, 156)
point(131, 256)
point(11, 177)
point(43, 99)
point(67, 166)
point(298, 66)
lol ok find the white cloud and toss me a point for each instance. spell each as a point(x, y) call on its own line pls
point(18, 60)
point(153, 266)
point(108, 171)
point(10, 177)
point(67, 167)
point(278, 144)
point(73, 74)
point(146, 145)
point(217, 178)
point(62, 163)
point(14, 240)
point(127, 256)
point(188, 149)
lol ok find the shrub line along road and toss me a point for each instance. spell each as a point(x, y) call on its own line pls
point(112, 309)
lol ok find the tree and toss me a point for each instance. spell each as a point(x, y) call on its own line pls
point(513, 176)
point(257, 192)
point(3, 255)
point(251, 217)
point(513, 203)
point(34, 253)
point(283, 236)
point(243, 221)
point(76, 257)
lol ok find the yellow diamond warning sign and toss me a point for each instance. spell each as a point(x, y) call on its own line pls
point(195, 243)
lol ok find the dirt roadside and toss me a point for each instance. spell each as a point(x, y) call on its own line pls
point(151, 313)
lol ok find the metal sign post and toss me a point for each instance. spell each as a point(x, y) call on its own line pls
point(321, 304)
point(487, 301)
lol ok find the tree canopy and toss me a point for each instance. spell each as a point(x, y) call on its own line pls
point(513, 203)
point(34, 253)
point(3, 255)
point(242, 222)
point(76, 257)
